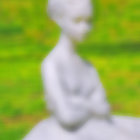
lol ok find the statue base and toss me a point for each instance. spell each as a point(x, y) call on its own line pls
point(117, 128)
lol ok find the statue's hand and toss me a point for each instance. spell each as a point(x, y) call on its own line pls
point(99, 110)
point(97, 103)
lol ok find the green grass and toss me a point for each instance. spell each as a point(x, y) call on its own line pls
point(27, 36)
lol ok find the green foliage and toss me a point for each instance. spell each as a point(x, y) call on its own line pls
point(27, 36)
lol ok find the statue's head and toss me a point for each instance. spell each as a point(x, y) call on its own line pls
point(73, 16)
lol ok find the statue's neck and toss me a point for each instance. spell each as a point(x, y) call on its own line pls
point(66, 47)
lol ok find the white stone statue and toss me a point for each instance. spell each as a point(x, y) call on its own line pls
point(73, 90)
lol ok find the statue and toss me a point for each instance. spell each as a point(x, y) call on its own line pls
point(73, 91)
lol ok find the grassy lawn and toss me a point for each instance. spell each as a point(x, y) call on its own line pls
point(27, 36)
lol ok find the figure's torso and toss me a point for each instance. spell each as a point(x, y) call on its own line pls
point(77, 79)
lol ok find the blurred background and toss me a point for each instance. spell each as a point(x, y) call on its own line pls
point(27, 35)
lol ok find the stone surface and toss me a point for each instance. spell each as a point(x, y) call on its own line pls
point(73, 91)
point(118, 128)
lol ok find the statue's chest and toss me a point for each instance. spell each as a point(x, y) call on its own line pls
point(76, 80)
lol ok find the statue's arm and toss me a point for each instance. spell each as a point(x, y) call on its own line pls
point(98, 102)
point(54, 92)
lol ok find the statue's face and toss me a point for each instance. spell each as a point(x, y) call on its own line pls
point(77, 22)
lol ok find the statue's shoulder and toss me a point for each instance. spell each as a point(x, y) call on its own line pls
point(90, 66)
point(92, 72)
point(50, 61)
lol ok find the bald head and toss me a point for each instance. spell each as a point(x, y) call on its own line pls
point(60, 8)
point(72, 16)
